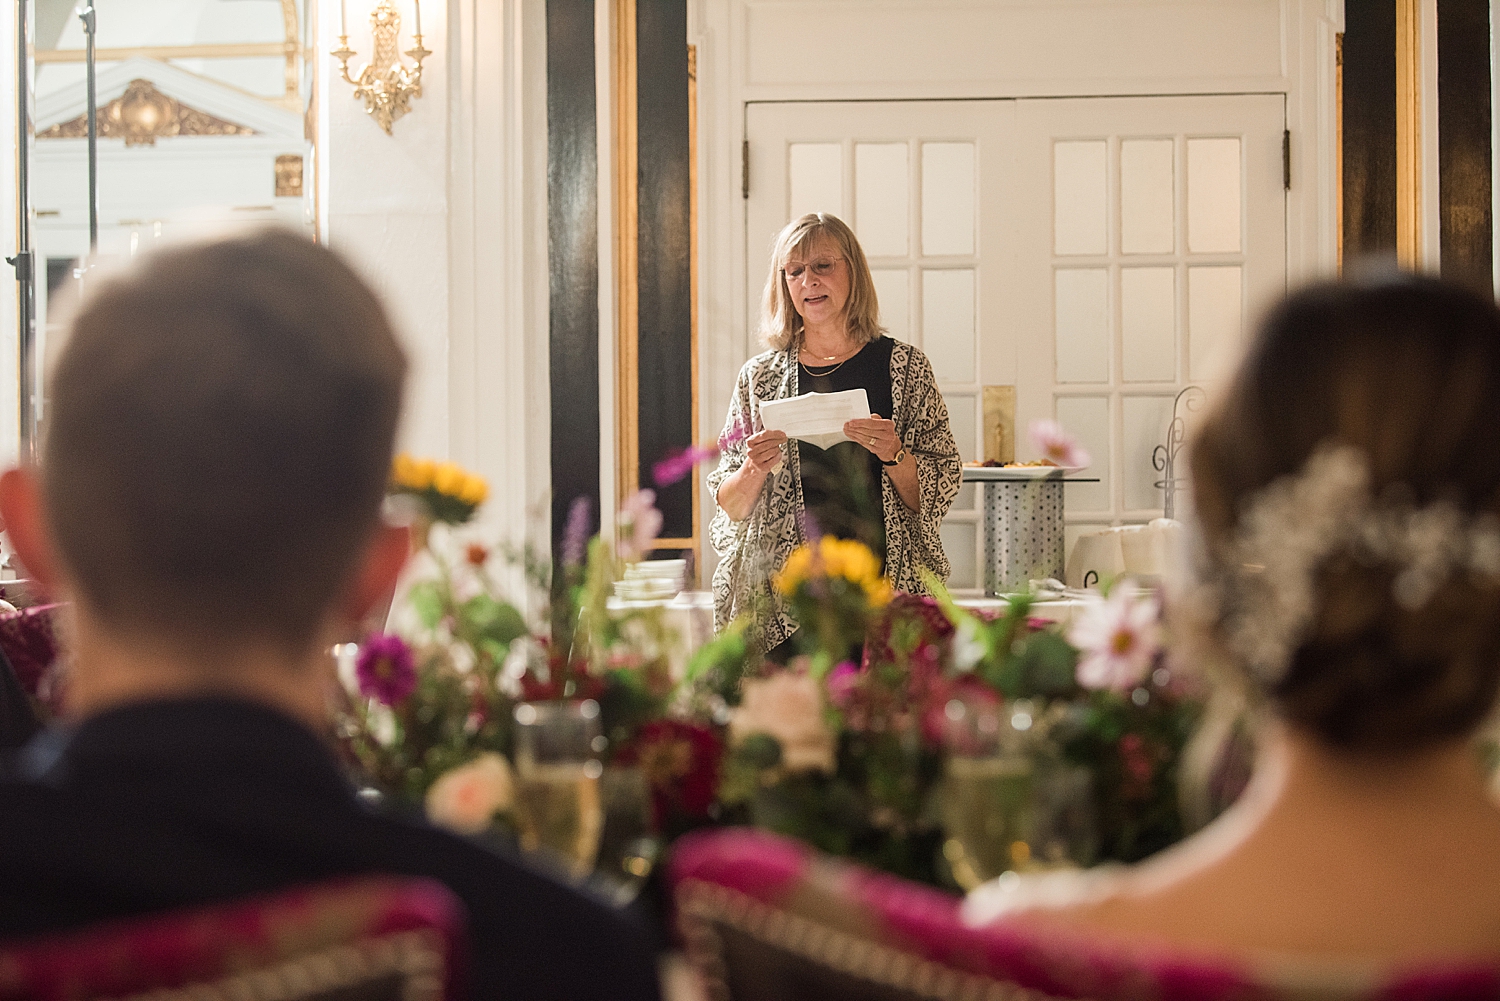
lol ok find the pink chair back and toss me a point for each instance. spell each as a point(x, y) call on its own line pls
point(764, 917)
point(28, 639)
point(369, 938)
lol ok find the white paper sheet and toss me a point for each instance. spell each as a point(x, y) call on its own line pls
point(816, 418)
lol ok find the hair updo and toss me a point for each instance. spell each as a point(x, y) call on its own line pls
point(1405, 370)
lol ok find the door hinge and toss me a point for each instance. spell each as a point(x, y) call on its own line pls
point(745, 169)
point(1286, 160)
point(22, 263)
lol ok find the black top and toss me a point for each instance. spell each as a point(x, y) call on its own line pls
point(841, 485)
point(166, 805)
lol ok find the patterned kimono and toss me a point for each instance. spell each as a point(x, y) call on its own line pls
point(751, 551)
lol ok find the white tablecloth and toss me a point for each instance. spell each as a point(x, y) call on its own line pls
point(689, 617)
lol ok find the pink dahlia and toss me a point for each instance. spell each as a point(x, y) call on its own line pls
point(842, 683)
point(385, 669)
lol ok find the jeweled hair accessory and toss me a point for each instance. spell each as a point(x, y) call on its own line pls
point(1264, 590)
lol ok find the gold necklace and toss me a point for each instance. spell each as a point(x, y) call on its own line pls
point(820, 375)
point(827, 358)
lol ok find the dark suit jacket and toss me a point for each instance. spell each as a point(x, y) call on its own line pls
point(171, 804)
point(18, 722)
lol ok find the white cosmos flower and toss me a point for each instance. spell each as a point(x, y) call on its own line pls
point(969, 646)
point(1119, 638)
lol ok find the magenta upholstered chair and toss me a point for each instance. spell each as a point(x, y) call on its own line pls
point(367, 939)
point(767, 918)
point(28, 641)
point(28, 648)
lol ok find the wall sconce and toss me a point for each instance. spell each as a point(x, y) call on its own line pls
point(386, 83)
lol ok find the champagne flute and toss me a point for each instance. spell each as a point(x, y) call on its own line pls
point(557, 782)
point(988, 790)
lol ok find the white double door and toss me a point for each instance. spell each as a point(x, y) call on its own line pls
point(1098, 254)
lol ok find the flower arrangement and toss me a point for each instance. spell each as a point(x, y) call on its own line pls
point(880, 741)
point(834, 587)
point(863, 759)
point(430, 713)
point(439, 695)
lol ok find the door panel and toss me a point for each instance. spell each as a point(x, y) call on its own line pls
point(1129, 297)
point(1097, 254)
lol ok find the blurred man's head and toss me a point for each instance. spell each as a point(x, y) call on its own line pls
point(218, 440)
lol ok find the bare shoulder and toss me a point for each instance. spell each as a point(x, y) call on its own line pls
point(1339, 900)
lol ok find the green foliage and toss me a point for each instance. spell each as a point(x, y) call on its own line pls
point(719, 665)
point(1134, 751)
point(426, 598)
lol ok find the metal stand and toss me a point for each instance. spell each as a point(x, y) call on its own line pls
point(1164, 456)
point(90, 29)
point(1023, 533)
point(24, 261)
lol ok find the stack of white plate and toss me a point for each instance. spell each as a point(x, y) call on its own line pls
point(651, 580)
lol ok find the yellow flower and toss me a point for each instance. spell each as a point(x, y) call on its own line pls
point(448, 478)
point(410, 473)
point(853, 561)
point(795, 571)
point(474, 491)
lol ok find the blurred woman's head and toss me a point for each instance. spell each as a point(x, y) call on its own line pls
point(817, 268)
point(1347, 488)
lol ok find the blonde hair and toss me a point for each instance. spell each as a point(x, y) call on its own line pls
point(780, 323)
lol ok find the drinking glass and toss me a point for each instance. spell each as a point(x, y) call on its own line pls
point(628, 848)
point(557, 782)
point(1010, 802)
point(988, 789)
point(1064, 833)
point(987, 815)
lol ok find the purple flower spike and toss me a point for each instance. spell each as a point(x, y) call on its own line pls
point(385, 669)
point(576, 534)
point(680, 463)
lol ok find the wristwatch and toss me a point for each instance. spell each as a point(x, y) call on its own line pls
point(897, 459)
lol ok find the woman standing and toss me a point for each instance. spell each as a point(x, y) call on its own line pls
point(888, 486)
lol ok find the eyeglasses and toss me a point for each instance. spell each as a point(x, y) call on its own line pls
point(822, 268)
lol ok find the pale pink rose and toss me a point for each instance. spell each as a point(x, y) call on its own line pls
point(465, 799)
point(1057, 445)
point(788, 705)
point(1119, 639)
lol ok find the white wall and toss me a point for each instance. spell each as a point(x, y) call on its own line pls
point(443, 218)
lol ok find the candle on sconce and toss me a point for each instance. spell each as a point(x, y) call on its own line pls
point(344, 18)
point(418, 5)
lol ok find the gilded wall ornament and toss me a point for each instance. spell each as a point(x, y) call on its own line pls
point(143, 115)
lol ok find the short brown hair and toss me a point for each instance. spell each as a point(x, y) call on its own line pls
point(1405, 370)
point(219, 438)
point(780, 323)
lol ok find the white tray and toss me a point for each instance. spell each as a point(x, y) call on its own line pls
point(984, 474)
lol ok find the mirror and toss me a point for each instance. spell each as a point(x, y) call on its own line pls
point(204, 119)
